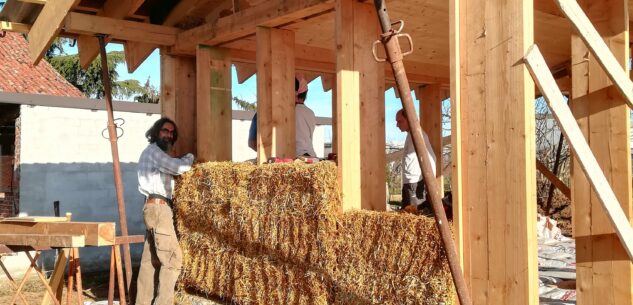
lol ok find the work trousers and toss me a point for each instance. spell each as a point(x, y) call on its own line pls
point(162, 258)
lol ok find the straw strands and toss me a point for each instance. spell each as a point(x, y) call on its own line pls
point(274, 234)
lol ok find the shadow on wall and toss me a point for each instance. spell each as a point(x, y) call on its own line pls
point(87, 191)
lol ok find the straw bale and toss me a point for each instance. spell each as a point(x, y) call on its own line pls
point(214, 268)
point(281, 210)
point(390, 258)
point(274, 234)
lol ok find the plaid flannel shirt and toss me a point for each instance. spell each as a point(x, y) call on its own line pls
point(156, 170)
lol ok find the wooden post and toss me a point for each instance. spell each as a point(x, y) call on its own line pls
point(178, 98)
point(604, 274)
point(430, 98)
point(459, 219)
point(496, 195)
point(360, 108)
point(275, 94)
point(213, 106)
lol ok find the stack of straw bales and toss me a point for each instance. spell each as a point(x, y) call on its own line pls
point(274, 234)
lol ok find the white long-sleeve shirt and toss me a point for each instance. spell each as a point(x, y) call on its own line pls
point(411, 172)
point(304, 128)
point(156, 171)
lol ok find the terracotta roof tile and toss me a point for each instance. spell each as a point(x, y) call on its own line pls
point(19, 76)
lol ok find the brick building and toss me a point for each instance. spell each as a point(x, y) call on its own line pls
point(17, 75)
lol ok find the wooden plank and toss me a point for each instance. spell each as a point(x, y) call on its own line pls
point(47, 26)
point(42, 2)
point(372, 108)
point(120, 29)
point(496, 119)
point(348, 108)
point(130, 239)
point(560, 185)
point(243, 23)
point(275, 94)
point(579, 145)
point(88, 45)
point(178, 99)
point(614, 70)
point(430, 97)
point(15, 27)
point(331, 82)
point(57, 278)
point(136, 53)
point(34, 219)
point(456, 76)
point(46, 240)
point(603, 271)
point(96, 233)
point(244, 71)
point(213, 104)
point(167, 85)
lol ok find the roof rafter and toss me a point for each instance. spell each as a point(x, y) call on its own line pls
point(120, 29)
point(272, 13)
point(87, 45)
point(47, 26)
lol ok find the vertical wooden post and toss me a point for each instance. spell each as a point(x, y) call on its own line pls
point(430, 98)
point(275, 94)
point(213, 106)
point(459, 221)
point(334, 118)
point(494, 100)
point(178, 98)
point(604, 273)
point(360, 108)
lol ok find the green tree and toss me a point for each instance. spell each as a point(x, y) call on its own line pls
point(244, 104)
point(149, 94)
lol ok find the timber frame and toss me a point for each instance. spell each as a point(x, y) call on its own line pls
point(472, 48)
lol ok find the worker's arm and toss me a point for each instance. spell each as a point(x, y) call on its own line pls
point(172, 166)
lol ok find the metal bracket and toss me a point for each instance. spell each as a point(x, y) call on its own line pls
point(393, 33)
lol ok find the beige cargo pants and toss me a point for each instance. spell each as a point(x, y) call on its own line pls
point(162, 258)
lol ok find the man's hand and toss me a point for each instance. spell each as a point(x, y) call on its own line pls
point(410, 209)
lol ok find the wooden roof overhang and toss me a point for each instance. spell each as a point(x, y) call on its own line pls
point(178, 26)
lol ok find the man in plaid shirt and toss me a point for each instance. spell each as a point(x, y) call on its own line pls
point(161, 253)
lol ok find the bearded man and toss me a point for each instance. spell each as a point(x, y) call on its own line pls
point(162, 258)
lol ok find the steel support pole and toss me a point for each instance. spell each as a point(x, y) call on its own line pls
point(116, 165)
point(394, 56)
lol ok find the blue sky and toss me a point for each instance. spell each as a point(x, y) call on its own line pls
point(318, 100)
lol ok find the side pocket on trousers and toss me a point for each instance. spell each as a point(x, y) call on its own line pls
point(168, 249)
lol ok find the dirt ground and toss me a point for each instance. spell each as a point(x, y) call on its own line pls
point(95, 289)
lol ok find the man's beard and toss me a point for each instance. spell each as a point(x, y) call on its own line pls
point(165, 145)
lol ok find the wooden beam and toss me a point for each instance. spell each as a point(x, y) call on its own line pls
point(244, 71)
point(275, 94)
point(213, 104)
point(15, 27)
point(582, 150)
point(120, 29)
point(42, 2)
point(493, 126)
point(560, 185)
point(430, 97)
point(603, 271)
point(456, 10)
point(47, 26)
point(178, 98)
point(88, 45)
point(46, 240)
point(138, 52)
point(57, 278)
point(614, 70)
point(361, 153)
point(243, 23)
point(96, 233)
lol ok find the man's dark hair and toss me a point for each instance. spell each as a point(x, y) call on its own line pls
point(153, 133)
point(303, 95)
